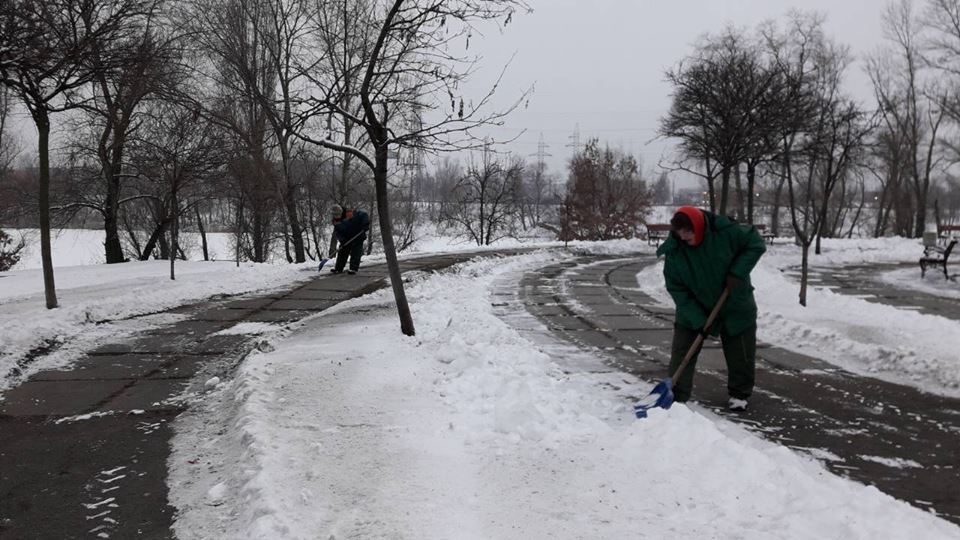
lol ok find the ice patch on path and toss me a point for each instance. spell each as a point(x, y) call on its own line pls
point(896, 463)
point(248, 328)
point(819, 453)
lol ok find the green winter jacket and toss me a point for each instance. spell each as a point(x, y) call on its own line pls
point(696, 275)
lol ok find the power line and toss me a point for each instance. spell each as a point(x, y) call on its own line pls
point(575, 139)
point(541, 153)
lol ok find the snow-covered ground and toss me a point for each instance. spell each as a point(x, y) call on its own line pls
point(346, 429)
point(99, 302)
point(471, 430)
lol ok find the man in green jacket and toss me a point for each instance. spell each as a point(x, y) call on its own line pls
point(705, 253)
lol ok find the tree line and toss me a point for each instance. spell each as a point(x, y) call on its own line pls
point(769, 105)
point(260, 112)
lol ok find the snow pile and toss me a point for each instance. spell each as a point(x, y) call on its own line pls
point(468, 430)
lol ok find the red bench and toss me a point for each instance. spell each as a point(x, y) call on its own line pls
point(944, 231)
point(762, 229)
point(657, 232)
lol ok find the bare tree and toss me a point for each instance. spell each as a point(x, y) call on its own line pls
point(910, 104)
point(482, 204)
point(720, 98)
point(178, 151)
point(801, 55)
point(942, 52)
point(254, 50)
point(9, 142)
point(114, 99)
point(47, 52)
point(408, 64)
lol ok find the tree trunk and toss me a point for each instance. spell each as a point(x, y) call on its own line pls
point(155, 237)
point(112, 247)
point(856, 216)
point(738, 186)
point(724, 189)
point(921, 217)
point(386, 235)
point(238, 230)
point(370, 238)
point(711, 188)
point(296, 229)
point(203, 234)
point(751, 188)
point(804, 272)
point(775, 211)
point(174, 225)
point(43, 129)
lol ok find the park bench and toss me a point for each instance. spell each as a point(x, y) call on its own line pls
point(935, 254)
point(762, 229)
point(946, 231)
point(657, 232)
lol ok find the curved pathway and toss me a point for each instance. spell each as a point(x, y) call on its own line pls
point(903, 441)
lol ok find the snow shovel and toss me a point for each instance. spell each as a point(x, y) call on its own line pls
point(662, 394)
point(324, 261)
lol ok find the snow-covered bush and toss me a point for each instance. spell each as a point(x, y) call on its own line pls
point(9, 252)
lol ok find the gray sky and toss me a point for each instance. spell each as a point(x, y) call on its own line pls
point(600, 63)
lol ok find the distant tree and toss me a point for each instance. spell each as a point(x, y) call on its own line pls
point(9, 142)
point(178, 152)
point(606, 198)
point(112, 103)
point(911, 105)
point(9, 251)
point(47, 51)
point(256, 48)
point(9, 150)
point(721, 96)
point(820, 132)
point(661, 190)
point(482, 203)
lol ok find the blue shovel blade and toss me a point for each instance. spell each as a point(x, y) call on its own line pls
point(661, 396)
point(322, 262)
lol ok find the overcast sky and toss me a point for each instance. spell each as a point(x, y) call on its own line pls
point(600, 63)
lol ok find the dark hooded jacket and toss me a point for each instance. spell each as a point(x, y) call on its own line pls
point(351, 224)
point(696, 275)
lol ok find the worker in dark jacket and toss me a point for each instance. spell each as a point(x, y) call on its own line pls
point(705, 253)
point(350, 228)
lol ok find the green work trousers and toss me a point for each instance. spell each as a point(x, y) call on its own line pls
point(354, 251)
point(740, 352)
